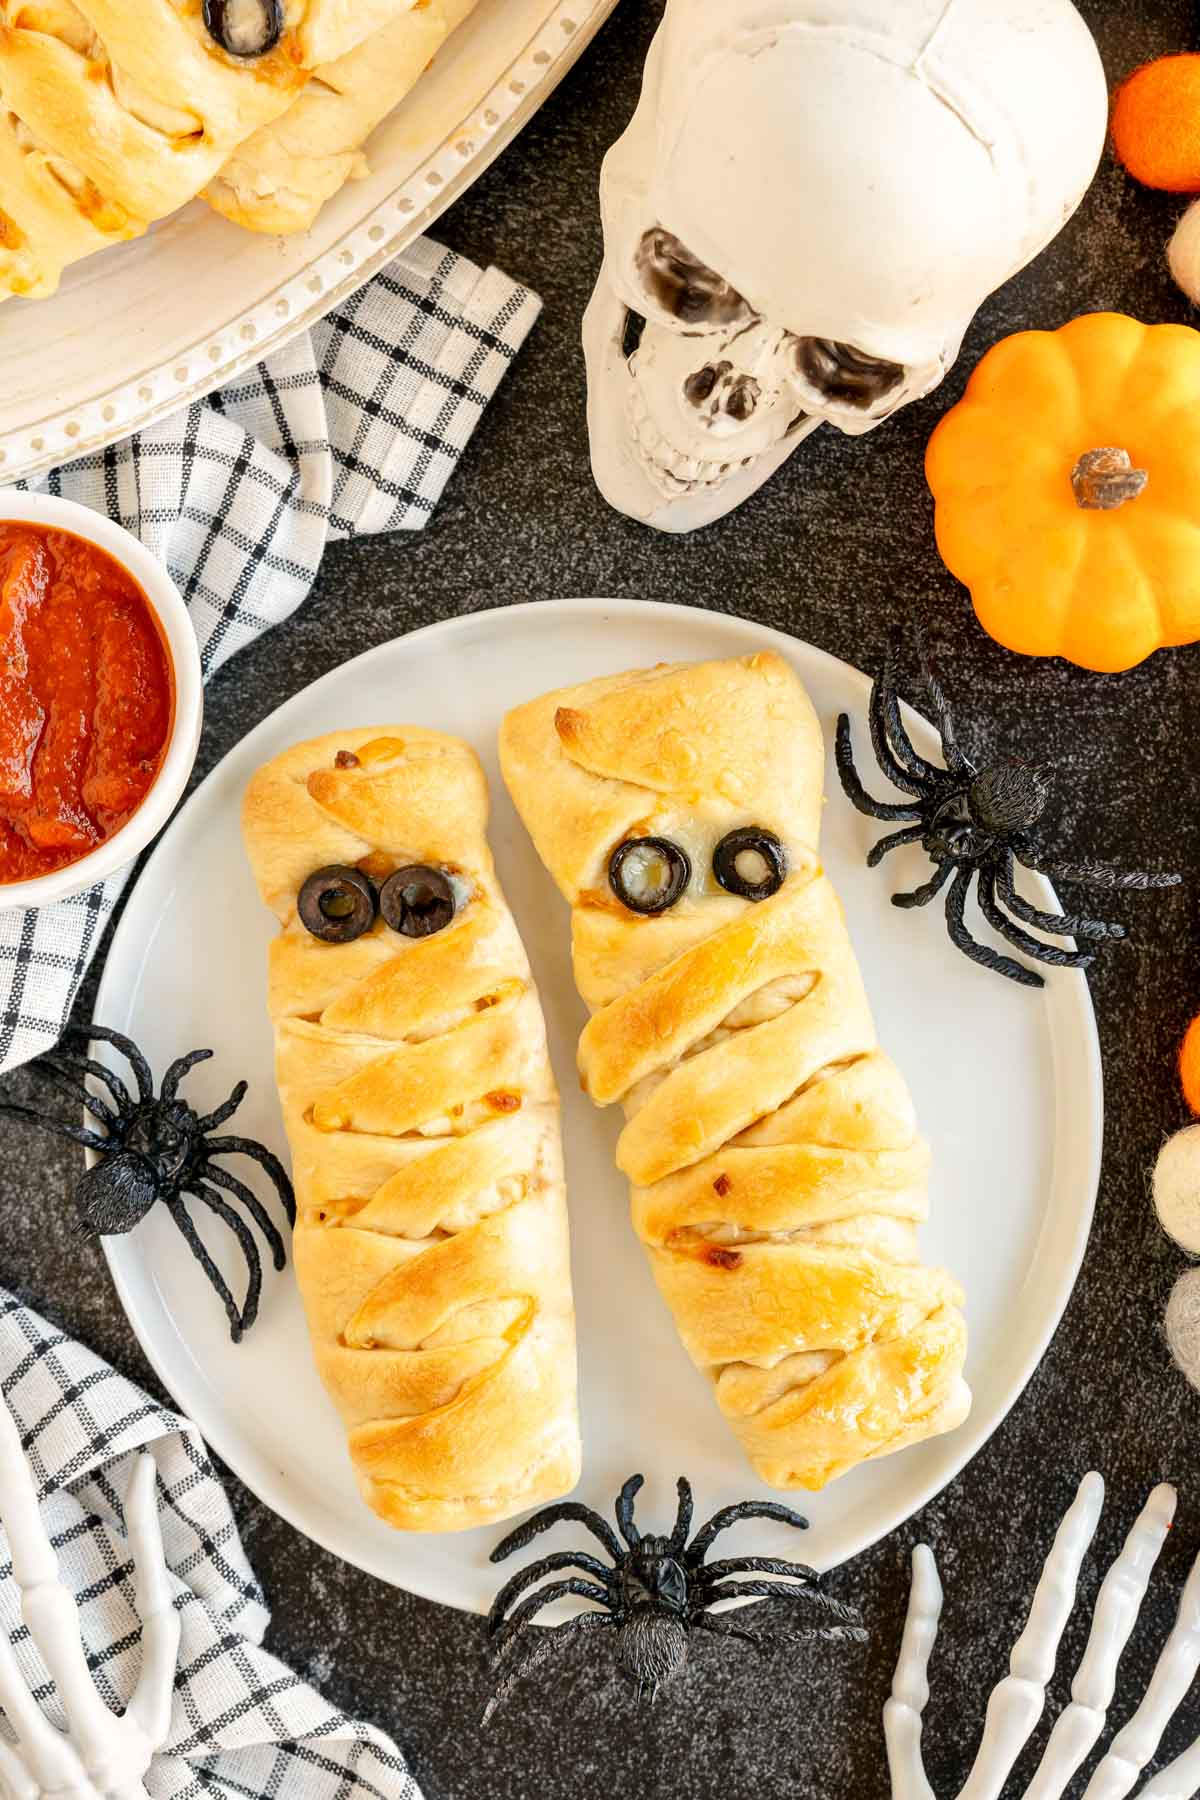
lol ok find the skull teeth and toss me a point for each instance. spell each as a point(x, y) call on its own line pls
point(669, 470)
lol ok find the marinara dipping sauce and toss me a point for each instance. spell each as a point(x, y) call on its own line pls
point(87, 697)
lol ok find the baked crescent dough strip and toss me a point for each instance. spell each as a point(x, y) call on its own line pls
point(281, 177)
point(431, 1236)
point(113, 113)
point(778, 1176)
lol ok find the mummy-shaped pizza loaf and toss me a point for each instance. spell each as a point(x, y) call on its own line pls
point(778, 1177)
point(431, 1234)
point(115, 112)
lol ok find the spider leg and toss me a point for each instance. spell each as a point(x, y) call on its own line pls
point(939, 706)
point(720, 1625)
point(1094, 874)
point(625, 1500)
point(729, 1515)
point(895, 751)
point(1066, 924)
point(783, 1628)
point(191, 1238)
point(854, 789)
point(683, 1518)
point(253, 1205)
point(549, 1639)
point(1051, 954)
point(245, 1238)
point(553, 1590)
point(551, 1515)
point(179, 1069)
point(78, 1134)
point(85, 1065)
point(559, 1559)
point(982, 954)
point(104, 1034)
point(761, 1565)
point(260, 1154)
point(928, 890)
point(226, 1109)
point(773, 1591)
point(912, 834)
point(67, 1083)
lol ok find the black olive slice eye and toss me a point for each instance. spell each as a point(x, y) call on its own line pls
point(648, 874)
point(244, 27)
point(337, 904)
point(751, 862)
point(417, 901)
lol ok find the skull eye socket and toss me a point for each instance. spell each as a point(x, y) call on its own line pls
point(843, 375)
point(683, 287)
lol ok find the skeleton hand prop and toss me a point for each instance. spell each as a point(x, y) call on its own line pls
point(1017, 1703)
point(100, 1757)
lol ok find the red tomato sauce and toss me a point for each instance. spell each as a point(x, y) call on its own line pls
point(87, 698)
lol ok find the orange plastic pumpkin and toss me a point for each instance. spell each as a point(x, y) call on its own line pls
point(1067, 490)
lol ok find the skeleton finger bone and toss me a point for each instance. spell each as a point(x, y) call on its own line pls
point(150, 1706)
point(1017, 1703)
point(904, 1712)
point(1077, 1729)
point(1174, 1672)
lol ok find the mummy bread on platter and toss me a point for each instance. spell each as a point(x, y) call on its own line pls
point(778, 1175)
point(280, 178)
point(113, 113)
point(431, 1233)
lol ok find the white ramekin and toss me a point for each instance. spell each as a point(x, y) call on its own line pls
point(180, 638)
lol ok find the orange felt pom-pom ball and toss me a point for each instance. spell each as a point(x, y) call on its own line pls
point(1156, 124)
point(1189, 1065)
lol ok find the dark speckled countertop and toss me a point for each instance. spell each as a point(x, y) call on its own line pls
point(834, 549)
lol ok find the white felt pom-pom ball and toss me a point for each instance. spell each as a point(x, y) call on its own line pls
point(1182, 1325)
point(1183, 253)
point(1177, 1188)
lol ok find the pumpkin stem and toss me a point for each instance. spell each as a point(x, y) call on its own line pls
point(1105, 479)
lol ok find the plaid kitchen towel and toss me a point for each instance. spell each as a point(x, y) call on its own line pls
point(242, 1725)
point(353, 428)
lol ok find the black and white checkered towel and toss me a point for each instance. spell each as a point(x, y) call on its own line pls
point(241, 1723)
point(353, 428)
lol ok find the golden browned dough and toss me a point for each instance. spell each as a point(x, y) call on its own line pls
point(431, 1236)
point(778, 1175)
point(113, 113)
point(280, 178)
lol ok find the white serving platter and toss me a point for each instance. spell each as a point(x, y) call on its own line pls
point(1006, 1080)
point(139, 330)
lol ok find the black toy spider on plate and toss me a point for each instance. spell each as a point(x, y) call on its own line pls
point(976, 824)
point(657, 1591)
point(156, 1147)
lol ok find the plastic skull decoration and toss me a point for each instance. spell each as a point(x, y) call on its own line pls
point(809, 204)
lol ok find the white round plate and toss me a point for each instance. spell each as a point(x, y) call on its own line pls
point(1006, 1080)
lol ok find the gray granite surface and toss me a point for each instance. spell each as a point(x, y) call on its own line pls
point(834, 549)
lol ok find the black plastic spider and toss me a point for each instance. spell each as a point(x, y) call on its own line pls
point(157, 1148)
point(658, 1590)
point(976, 823)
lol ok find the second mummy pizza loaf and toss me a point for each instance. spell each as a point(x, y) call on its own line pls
point(431, 1232)
point(778, 1175)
